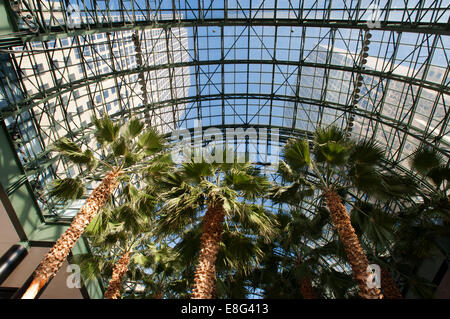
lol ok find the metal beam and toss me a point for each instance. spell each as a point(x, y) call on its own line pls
point(409, 130)
point(38, 98)
point(54, 32)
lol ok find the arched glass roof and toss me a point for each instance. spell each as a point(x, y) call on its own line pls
point(379, 69)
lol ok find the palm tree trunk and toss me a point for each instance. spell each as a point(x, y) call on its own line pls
point(158, 295)
point(356, 257)
point(307, 289)
point(205, 274)
point(57, 255)
point(390, 289)
point(120, 270)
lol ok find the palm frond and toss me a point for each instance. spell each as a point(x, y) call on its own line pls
point(90, 265)
point(296, 153)
point(151, 141)
point(134, 127)
point(73, 152)
point(368, 180)
point(189, 246)
point(67, 189)
point(119, 146)
point(255, 218)
point(95, 226)
point(286, 172)
point(238, 252)
point(377, 225)
point(399, 186)
point(106, 131)
point(175, 217)
point(331, 146)
point(197, 171)
point(141, 259)
point(439, 174)
point(133, 219)
point(132, 158)
point(292, 194)
point(329, 134)
point(159, 165)
point(426, 158)
point(367, 153)
point(249, 182)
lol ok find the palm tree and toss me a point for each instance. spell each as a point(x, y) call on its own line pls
point(239, 253)
point(338, 165)
point(376, 230)
point(296, 235)
point(423, 223)
point(127, 149)
point(126, 231)
point(120, 240)
point(390, 289)
point(218, 186)
point(299, 255)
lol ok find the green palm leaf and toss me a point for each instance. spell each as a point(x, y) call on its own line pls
point(151, 141)
point(377, 225)
point(331, 146)
point(90, 265)
point(439, 174)
point(399, 186)
point(94, 226)
point(67, 189)
point(367, 179)
point(426, 158)
point(119, 147)
point(73, 152)
point(296, 153)
point(106, 131)
point(134, 127)
point(367, 153)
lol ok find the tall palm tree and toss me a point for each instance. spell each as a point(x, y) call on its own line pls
point(124, 233)
point(219, 187)
point(338, 164)
point(390, 289)
point(238, 254)
point(299, 255)
point(126, 151)
point(424, 222)
point(376, 230)
point(296, 235)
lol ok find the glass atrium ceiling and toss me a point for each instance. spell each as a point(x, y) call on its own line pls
point(379, 69)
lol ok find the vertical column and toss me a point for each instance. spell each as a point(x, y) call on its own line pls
point(10, 260)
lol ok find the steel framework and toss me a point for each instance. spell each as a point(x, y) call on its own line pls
point(379, 69)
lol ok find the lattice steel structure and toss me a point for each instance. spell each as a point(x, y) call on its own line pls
point(379, 69)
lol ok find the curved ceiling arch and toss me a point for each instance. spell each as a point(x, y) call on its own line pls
point(292, 65)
